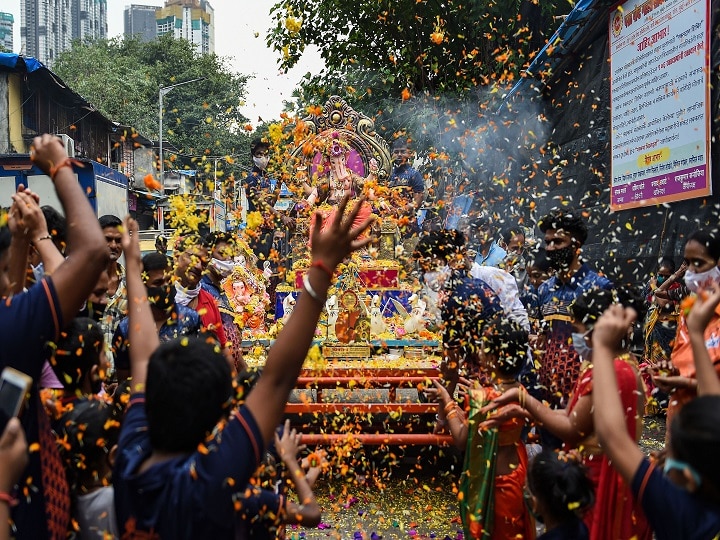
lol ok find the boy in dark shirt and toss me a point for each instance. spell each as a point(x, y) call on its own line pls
point(183, 461)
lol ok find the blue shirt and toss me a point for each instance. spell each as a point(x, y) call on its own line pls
point(496, 255)
point(190, 496)
point(554, 298)
point(257, 186)
point(227, 313)
point(407, 181)
point(182, 321)
point(672, 511)
point(261, 514)
point(469, 303)
point(29, 320)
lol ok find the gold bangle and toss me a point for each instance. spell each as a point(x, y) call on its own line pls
point(450, 405)
point(451, 414)
point(521, 397)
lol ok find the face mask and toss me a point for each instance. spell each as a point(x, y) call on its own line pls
point(223, 268)
point(184, 296)
point(163, 298)
point(261, 162)
point(678, 465)
point(660, 280)
point(38, 271)
point(560, 259)
point(695, 281)
point(93, 310)
point(580, 346)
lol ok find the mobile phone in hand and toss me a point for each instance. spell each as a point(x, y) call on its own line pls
point(14, 388)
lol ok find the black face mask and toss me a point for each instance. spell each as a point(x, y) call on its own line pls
point(93, 310)
point(560, 259)
point(163, 298)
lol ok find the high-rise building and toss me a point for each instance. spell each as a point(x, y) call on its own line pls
point(193, 20)
point(6, 30)
point(140, 21)
point(89, 19)
point(47, 27)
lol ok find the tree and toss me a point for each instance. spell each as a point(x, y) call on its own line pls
point(414, 46)
point(122, 77)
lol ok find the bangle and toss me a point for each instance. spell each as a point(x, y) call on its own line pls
point(7, 499)
point(67, 162)
point(322, 266)
point(522, 396)
point(46, 237)
point(451, 414)
point(306, 285)
point(451, 405)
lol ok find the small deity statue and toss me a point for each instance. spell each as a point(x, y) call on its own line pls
point(377, 323)
point(331, 306)
point(288, 306)
point(240, 292)
point(415, 322)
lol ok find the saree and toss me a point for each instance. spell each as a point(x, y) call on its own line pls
point(493, 507)
point(616, 515)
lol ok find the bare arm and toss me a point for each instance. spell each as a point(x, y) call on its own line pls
point(13, 460)
point(141, 330)
point(699, 317)
point(571, 427)
point(76, 277)
point(609, 416)
point(267, 400)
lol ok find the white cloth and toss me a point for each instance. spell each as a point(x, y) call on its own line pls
point(185, 296)
point(505, 287)
point(96, 514)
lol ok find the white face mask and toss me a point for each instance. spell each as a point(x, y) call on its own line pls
point(223, 268)
point(580, 345)
point(261, 162)
point(696, 281)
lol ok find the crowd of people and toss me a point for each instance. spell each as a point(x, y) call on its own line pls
point(143, 420)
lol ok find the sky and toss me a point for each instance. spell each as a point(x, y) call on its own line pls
point(236, 24)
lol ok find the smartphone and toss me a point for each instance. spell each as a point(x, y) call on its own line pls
point(14, 388)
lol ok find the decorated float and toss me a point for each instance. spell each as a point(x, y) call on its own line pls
point(376, 345)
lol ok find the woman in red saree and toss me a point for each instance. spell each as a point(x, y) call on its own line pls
point(615, 516)
point(492, 504)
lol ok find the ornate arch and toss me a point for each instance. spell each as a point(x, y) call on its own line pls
point(357, 129)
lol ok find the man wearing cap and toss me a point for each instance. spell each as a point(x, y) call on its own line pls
point(408, 183)
point(565, 233)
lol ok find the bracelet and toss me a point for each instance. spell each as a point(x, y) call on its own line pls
point(7, 499)
point(451, 414)
point(522, 396)
point(67, 162)
point(306, 285)
point(450, 406)
point(321, 265)
point(46, 237)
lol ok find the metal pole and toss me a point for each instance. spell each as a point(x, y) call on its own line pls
point(162, 164)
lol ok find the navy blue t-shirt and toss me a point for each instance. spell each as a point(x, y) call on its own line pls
point(27, 322)
point(672, 511)
point(192, 496)
point(261, 514)
point(469, 303)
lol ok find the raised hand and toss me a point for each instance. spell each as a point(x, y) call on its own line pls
point(612, 326)
point(337, 241)
point(288, 445)
point(47, 152)
point(26, 219)
point(131, 241)
point(703, 308)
